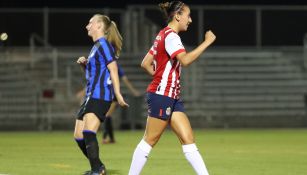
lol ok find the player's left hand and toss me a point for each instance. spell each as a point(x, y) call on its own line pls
point(122, 102)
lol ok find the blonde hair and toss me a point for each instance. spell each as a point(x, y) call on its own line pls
point(111, 32)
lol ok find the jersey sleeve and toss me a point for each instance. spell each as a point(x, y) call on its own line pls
point(151, 50)
point(121, 72)
point(173, 45)
point(107, 52)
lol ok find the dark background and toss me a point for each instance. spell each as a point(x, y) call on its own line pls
point(233, 28)
point(124, 3)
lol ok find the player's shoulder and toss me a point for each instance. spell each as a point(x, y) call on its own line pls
point(101, 42)
point(170, 31)
point(172, 35)
point(103, 45)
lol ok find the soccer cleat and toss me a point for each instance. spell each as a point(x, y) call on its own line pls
point(95, 173)
point(112, 141)
point(87, 172)
point(102, 171)
point(105, 141)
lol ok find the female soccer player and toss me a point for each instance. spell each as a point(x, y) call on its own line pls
point(108, 126)
point(164, 106)
point(101, 72)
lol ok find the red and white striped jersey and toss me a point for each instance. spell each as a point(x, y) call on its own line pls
point(166, 80)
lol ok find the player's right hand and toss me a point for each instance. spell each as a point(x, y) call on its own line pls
point(210, 37)
point(82, 60)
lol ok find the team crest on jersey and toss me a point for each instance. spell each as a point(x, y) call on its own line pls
point(168, 111)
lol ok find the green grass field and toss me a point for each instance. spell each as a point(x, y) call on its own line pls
point(226, 152)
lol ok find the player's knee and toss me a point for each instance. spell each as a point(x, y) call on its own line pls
point(152, 141)
point(78, 135)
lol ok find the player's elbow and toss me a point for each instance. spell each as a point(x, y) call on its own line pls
point(184, 63)
point(142, 65)
point(145, 65)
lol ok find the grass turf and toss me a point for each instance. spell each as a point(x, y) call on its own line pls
point(231, 152)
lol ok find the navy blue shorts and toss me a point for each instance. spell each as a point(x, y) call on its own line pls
point(162, 107)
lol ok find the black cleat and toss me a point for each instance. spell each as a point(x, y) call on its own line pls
point(87, 172)
point(102, 171)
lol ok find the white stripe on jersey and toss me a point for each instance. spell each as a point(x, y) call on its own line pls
point(163, 82)
point(177, 91)
point(178, 82)
point(173, 85)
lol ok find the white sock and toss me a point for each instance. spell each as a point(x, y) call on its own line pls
point(139, 158)
point(192, 155)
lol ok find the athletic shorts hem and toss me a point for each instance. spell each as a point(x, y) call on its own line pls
point(97, 106)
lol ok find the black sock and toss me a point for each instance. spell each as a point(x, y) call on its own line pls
point(110, 129)
point(92, 149)
point(81, 144)
point(105, 129)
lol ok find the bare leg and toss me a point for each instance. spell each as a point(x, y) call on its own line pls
point(79, 125)
point(182, 127)
point(91, 122)
point(153, 132)
point(78, 135)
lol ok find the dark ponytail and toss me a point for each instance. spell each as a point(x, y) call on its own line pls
point(169, 9)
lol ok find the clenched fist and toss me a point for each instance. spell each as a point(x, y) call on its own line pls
point(82, 60)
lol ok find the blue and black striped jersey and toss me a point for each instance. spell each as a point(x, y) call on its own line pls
point(99, 84)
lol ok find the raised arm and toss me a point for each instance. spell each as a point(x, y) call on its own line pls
point(187, 58)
